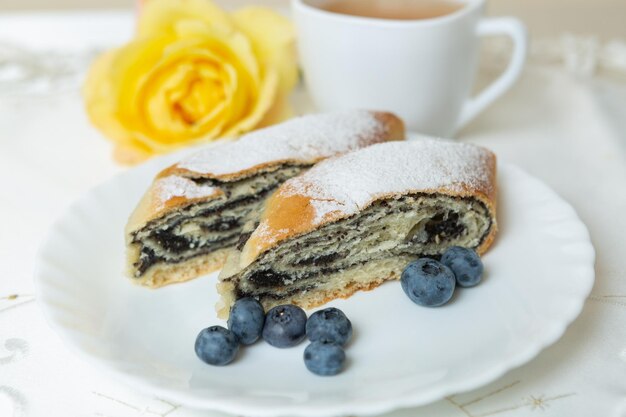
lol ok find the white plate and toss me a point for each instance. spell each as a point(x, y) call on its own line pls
point(538, 274)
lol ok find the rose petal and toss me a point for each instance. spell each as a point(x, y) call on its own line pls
point(230, 45)
point(266, 95)
point(160, 17)
point(273, 38)
point(131, 155)
point(280, 110)
point(100, 101)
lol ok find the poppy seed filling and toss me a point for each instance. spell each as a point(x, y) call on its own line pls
point(204, 227)
point(408, 227)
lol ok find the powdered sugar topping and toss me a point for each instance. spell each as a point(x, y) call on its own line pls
point(323, 207)
point(306, 139)
point(174, 186)
point(350, 183)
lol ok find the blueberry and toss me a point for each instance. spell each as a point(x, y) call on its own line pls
point(428, 282)
point(466, 265)
point(284, 326)
point(217, 346)
point(329, 325)
point(246, 320)
point(324, 358)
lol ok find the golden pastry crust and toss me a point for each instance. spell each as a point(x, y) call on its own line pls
point(393, 130)
point(166, 274)
point(359, 281)
point(152, 206)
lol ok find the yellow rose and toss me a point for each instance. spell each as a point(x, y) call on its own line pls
point(193, 73)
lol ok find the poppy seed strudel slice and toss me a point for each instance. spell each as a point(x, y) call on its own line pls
point(352, 222)
point(194, 210)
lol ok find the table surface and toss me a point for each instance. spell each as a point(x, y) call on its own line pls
point(566, 129)
point(604, 18)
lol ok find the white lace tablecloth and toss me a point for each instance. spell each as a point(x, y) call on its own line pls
point(568, 130)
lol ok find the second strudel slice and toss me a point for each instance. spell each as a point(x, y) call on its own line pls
point(355, 221)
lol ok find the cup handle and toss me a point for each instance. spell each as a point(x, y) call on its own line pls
point(516, 30)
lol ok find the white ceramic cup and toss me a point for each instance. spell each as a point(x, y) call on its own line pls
point(422, 70)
